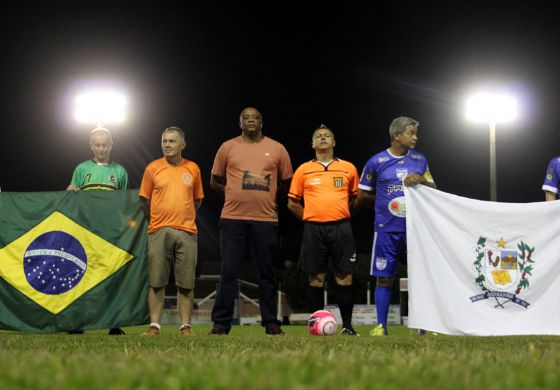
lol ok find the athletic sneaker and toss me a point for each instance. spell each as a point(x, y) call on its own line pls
point(152, 331)
point(186, 331)
point(219, 330)
point(349, 332)
point(379, 330)
point(274, 330)
point(116, 331)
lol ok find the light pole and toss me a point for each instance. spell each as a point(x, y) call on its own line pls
point(491, 109)
point(493, 176)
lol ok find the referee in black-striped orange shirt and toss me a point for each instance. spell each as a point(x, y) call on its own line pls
point(326, 185)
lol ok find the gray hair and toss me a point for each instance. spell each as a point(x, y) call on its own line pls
point(176, 129)
point(101, 130)
point(398, 125)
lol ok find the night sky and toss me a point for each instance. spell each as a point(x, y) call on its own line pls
point(352, 67)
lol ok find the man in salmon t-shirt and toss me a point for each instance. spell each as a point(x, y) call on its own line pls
point(249, 169)
point(170, 193)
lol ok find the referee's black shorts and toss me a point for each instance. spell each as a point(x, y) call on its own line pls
point(325, 240)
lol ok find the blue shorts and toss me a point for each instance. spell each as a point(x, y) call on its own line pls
point(388, 249)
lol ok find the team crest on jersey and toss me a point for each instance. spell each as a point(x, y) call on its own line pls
point(187, 179)
point(338, 181)
point(380, 263)
point(397, 207)
point(401, 173)
point(502, 271)
point(112, 179)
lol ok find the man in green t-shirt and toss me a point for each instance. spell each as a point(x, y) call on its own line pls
point(99, 173)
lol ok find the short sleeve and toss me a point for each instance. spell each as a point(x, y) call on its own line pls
point(353, 182)
point(220, 161)
point(198, 191)
point(285, 170)
point(123, 185)
point(296, 186)
point(427, 174)
point(76, 182)
point(147, 185)
point(551, 178)
point(369, 176)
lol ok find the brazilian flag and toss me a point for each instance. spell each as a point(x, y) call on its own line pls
point(72, 260)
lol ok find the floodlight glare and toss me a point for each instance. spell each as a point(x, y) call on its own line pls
point(491, 108)
point(100, 108)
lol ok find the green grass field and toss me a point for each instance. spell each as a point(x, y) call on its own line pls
point(247, 358)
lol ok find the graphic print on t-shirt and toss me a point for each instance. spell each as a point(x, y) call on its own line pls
point(255, 182)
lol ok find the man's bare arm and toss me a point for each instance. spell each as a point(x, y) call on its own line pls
point(550, 196)
point(146, 205)
point(364, 198)
point(296, 208)
point(218, 184)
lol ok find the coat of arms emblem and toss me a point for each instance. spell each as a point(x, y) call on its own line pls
point(502, 272)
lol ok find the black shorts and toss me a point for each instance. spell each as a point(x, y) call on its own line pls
point(322, 241)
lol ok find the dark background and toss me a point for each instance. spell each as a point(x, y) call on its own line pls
point(350, 66)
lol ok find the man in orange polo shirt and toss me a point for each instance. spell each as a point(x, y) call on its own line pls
point(170, 193)
point(327, 186)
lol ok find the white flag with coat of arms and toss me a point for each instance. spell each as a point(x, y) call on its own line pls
point(482, 268)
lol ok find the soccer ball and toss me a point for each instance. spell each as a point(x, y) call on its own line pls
point(321, 323)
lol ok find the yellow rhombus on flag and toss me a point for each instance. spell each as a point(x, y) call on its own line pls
point(40, 267)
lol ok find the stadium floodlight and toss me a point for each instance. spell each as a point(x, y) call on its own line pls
point(490, 109)
point(100, 108)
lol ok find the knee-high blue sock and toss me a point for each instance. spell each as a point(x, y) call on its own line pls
point(382, 301)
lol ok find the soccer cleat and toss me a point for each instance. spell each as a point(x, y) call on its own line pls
point(186, 331)
point(152, 331)
point(349, 332)
point(219, 330)
point(116, 331)
point(379, 330)
point(421, 332)
point(274, 330)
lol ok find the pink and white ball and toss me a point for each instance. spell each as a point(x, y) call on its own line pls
point(321, 323)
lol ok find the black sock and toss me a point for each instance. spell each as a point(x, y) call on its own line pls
point(345, 304)
point(316, 299)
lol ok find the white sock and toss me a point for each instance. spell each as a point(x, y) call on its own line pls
point(155, 325)
point(185, 326)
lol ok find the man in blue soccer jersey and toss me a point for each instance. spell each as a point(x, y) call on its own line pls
point(552, 179)
point(382, 180)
